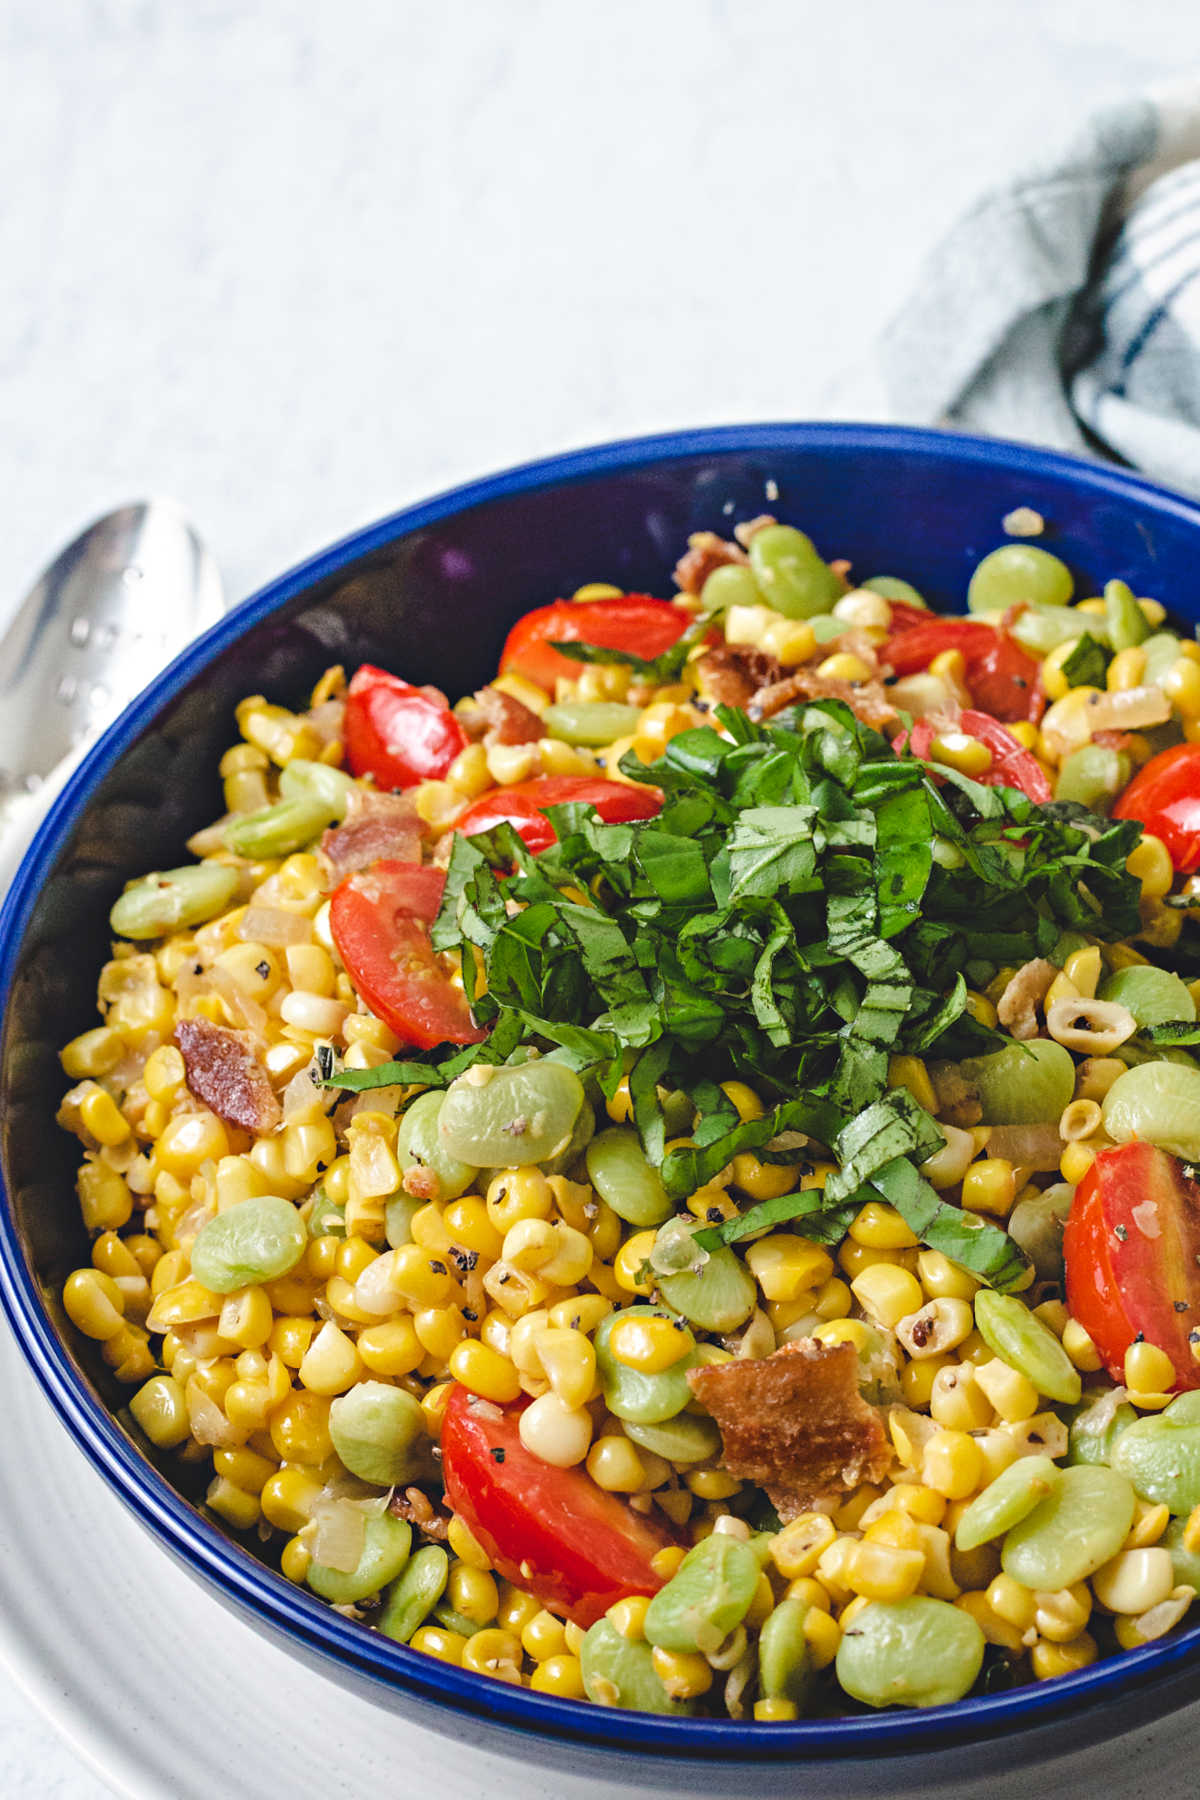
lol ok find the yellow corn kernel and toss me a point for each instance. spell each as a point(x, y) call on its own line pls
point(246, 1318)
point(822, 1634)
point(1050, 1659)
point(943, 1279)
point(569, 1363)
point(331, 1364)
point(1149, 1523)
point(543, 1636)
point(467, 1224)
point(958, 750)
point(685, 1675)
point(1076, 1159)
point(92, 1053)
point(832, 1300)
point(559, 1675)
point(466, 1545)
point(294, 1561)
point(843, 1331)
point(917, 1380)
point(990, 1186)
point(1132, 1632)
point(1150, 861)
point(629, 1617)
point(94, 1304)
point(887, 1293)
point(745, 1100)
point(105, 1199)
point(957, 1400)
point(516, 1195)
point(239, 1509)
point(288, 1496)
point(485, 1372)
point(494, 1652)
point(799, 1547)
point(161, 1411)
point(910, 1072)
point(843, 665)
point(1148, 1369)
point(101, 1117)
point(760, 1180)
point(786, 1266)
point(435, 1640)
point(517, 1608)
point(1061, 1616)
point(880, 1227)
point(247, 1404)
point(883, 1571)
point(1012, 1602)
point(952, 1464)
point(473, 1593)
point(995, 1629)
point(1181, 684)
point(438, 1330)
point(1080, 1348)
point(1126, 670)
point(712, 1484)
point(245, 1468)
point(629, 1261)
point(1053, 679)
point(290, 1338)
point(189, 1141)
point(615, 1465)
point(1012, 1394)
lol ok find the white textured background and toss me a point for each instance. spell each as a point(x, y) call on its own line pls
point(299, 263)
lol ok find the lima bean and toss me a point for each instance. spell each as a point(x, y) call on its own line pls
point(280, 829)
point(1073, 1531)
point(174, 900)
point(591, 722)
point(687, 1438)
point(914, 1652)
point(784, 1662)
point(379, 1433)
point(386, 1544)
point(508, 1117)
point(1007, 1326)
point(1005, 1501)
point(255, 1240)
point(417, 1141)
point(1153, 996)
point(398, 1216)
point(719, 1296)
point(619, 1171)
point(324, 1218)
point(1093, 775)
point(1036, 1227)
point(1127, 623)
point(318, 782)
point(893, 588)
point(732, 584)
point(1023, 1084)
point(1160, 1454)
point(1160, 1102)
point(618, 1671)
point(792, 577)
point(630, 1394)
point(707, 1597)
point(1020, 573)
point(413, 1596)
point(1184, 1562)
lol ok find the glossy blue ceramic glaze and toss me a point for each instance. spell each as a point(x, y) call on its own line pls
point(431, 592)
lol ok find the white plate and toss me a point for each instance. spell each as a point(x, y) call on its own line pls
point(169, 1696)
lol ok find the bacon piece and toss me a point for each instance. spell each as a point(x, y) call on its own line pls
point(416, 1506)
point(705, 552)
point(867, 700)
point(795, 1423)
point(224, 1072)
point(748, 530)
point(375, 826)
point(508, 720)
point(733, 674)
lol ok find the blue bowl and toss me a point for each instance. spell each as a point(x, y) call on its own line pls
point(431, 592)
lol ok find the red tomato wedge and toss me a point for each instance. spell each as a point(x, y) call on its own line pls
point(1165, 796)
point(617, 802)
point(1131, 1242)
point(380, 919)
point(398, 733)
point(636, 622)
point(1003, 678)
point(551, 1531)
point(1012, 766)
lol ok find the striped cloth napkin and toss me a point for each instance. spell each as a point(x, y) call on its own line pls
point(1064, 309)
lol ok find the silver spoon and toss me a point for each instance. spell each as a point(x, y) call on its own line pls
point(104, 618)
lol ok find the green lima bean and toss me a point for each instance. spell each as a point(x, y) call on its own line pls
point(379, 1433)
point(1160, 1454)
point(253, 1241)
point(386, 1544)
point(707, 1597)
point(174, 900)
point(1020, 1339)
point(619, 1171)
point(1160, 1102)
point(1073, 1531)
point(511, 1116)
point(914, 1652)
point(413, 1596)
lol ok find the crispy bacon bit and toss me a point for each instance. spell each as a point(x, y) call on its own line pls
point(958, 1101)
point(705, 552)
point(867, 700)
point(421, 1182)
point(375, 826)
point(733, 674)
point(1018, 1004)
point(224, 1072)
point(795, 1423)
point(416, 1506)
point(508, 720)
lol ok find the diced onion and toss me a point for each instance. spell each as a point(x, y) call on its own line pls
point(1035, 1147)
point(245, 1011)
point(335, 1534)
point(209, 1424)
point(273, 926)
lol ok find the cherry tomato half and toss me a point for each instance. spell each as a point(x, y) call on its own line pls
point(617, 802)
point(1003, 678)
point(635, 622)
point(380, 919)
point(398, 733)
point(1165, 796)
point(1131, 1242)
point(1012, 766)
point(551, 1531)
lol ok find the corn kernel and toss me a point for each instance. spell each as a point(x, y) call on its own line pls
point(559, 1675)
point(1148, 1370)
point(485, 1372)
point(882, 1571)
point(843, 665)
point(989, 1186)
point(1150, 861)
point(887, 1293)
point(786, 1266)
point(952, 1464)
point(1051, 1659)
point(799, 1547)
point(880, 1227)
point(760, 1180)
point(629, 1617)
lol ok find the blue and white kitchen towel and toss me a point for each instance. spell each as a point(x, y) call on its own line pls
point(1064, 309)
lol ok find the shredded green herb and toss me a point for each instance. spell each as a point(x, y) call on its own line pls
point(784, 921)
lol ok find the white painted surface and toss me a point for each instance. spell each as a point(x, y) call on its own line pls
point(298, 265)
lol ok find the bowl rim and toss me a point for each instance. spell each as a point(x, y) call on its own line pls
point(257, 1590)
